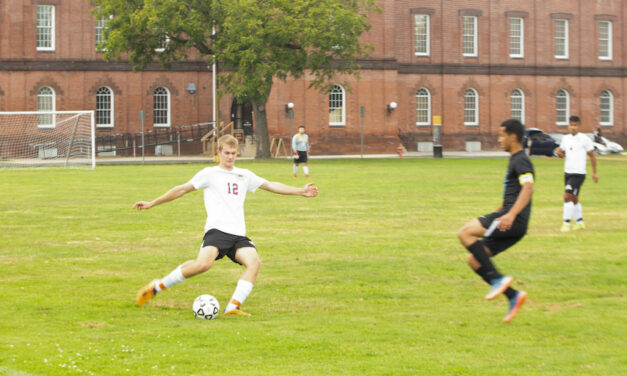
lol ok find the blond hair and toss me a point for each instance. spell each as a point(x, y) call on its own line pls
point(228, 140)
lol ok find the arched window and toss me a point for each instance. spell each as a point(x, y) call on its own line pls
point(471, 107)
point(104, 107)
point(423, 107)
point(607, 108)
point(161, 112)
point(518, 105)
point(46, 102)
point(337, 106)
point(562, 105)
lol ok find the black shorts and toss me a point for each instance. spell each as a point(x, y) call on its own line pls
point(227, 244)
point(573, 183)
point(302, 157)
point(498, 241)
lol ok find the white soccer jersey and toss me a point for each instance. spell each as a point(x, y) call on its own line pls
point(576, 149)
point(225, 192)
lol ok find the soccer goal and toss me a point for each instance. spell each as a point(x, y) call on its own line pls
point(60, 138)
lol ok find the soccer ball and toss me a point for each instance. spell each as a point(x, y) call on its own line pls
point(206, 307)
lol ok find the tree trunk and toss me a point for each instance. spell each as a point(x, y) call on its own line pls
point(261, 130)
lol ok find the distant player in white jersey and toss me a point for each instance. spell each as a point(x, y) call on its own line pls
point(575, 146)
point(300, 148)
point(225, 187)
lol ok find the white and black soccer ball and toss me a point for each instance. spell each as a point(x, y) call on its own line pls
point(206, 307)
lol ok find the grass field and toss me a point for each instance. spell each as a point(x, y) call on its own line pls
point(366, 279)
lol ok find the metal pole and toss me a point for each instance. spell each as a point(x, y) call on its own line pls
point(213, 83)
point(362, 113)
point(291, 128)
point(142, 116)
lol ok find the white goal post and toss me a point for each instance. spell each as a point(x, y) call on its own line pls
point(47, 138)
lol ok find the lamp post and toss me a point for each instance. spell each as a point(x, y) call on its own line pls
point(289, 108)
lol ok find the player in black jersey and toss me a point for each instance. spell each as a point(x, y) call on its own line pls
point(507, 225)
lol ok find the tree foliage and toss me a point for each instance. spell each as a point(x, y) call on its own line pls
point(255, 41)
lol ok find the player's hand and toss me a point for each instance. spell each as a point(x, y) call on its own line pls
point(142, 205)
point(310, 190)
point(506, 222)
point(595, 177)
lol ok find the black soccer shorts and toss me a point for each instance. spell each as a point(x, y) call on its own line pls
point(302, 157)
point(573, 183)
point(227, 244)
point(498, 241)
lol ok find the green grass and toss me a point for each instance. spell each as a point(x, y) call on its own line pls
point(367, 279)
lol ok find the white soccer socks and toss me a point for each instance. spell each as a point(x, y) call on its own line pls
point(306, 169)
point(578, 212)
point(242, 291)
point(176, 276)
point(295, 169)
point(569, 209)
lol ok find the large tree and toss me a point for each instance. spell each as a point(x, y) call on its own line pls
point(255, 41)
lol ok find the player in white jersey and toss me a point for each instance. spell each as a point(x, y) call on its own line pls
point(574, 147)
point(225, 188)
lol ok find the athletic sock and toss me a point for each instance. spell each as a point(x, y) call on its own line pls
point(306, 169)
point(478, 251)
point(578, 212)
point(176, 276)
point(510, 292)
point(567, 214)
point(241, 293)
point(295, 169)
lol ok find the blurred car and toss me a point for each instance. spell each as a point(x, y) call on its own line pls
point(606, 146)
point(539, 143)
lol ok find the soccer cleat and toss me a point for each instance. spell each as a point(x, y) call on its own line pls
point(236, 312)
point(514, 305)
point(146, 293)
point(307, 175)
point(565, 227)
point(499, 286)
point(579, 226)
point(295, 175)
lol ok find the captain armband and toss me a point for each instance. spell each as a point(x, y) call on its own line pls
point(525, 178)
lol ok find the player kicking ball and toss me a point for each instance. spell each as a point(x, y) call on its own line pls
point(507, 225)
point(224, 187)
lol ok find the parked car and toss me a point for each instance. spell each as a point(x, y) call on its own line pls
point(606, 146)
point(539, 143)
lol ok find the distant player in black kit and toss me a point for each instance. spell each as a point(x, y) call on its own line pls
point(507, 225)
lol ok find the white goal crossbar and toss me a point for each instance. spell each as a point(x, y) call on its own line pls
point(47, 138)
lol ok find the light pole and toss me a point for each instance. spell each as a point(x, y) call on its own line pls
point(289, 108)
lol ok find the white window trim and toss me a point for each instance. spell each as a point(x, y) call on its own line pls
point(611, 122)
point(52, 28)
point(112, 124)
point(474, 43)
point(428, 34)
point(563, 123)
point(54, 108)
point(609, 41)
point(476, 109)
point(162, 125)
point(566, 39)
point(522, 38)
point(428, 122)
point(522, 99)
point(343, 122)
point(167, 41)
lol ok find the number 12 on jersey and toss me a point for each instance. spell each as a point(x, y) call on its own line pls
point(232, 188)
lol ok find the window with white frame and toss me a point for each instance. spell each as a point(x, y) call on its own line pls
point(421, 31)
point(562, 105)
point(605, 40)
point(45, 28)
point(471, 107)
point(423, 107)
point(470, 36)
point(104, 107)
point(561, 39)
point(516, 37)
point(163, 43)
point(337, 108)
point(161, 112)
point(607, 108)
point(46, 103)
point(518, 105)
point(101, 25)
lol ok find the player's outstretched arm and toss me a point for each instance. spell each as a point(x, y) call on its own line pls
point(170, 195)
point(309, 190)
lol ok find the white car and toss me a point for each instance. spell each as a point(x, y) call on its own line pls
point(606, 147)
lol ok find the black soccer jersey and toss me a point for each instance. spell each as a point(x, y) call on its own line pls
point(519, 170)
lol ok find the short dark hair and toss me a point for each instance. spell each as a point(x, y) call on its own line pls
point(574, 119)
point(514, 126)
point(301, 126)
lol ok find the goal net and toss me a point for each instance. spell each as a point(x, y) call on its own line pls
point(60, 138)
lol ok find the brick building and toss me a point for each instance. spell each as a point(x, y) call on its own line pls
point(472, 63)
